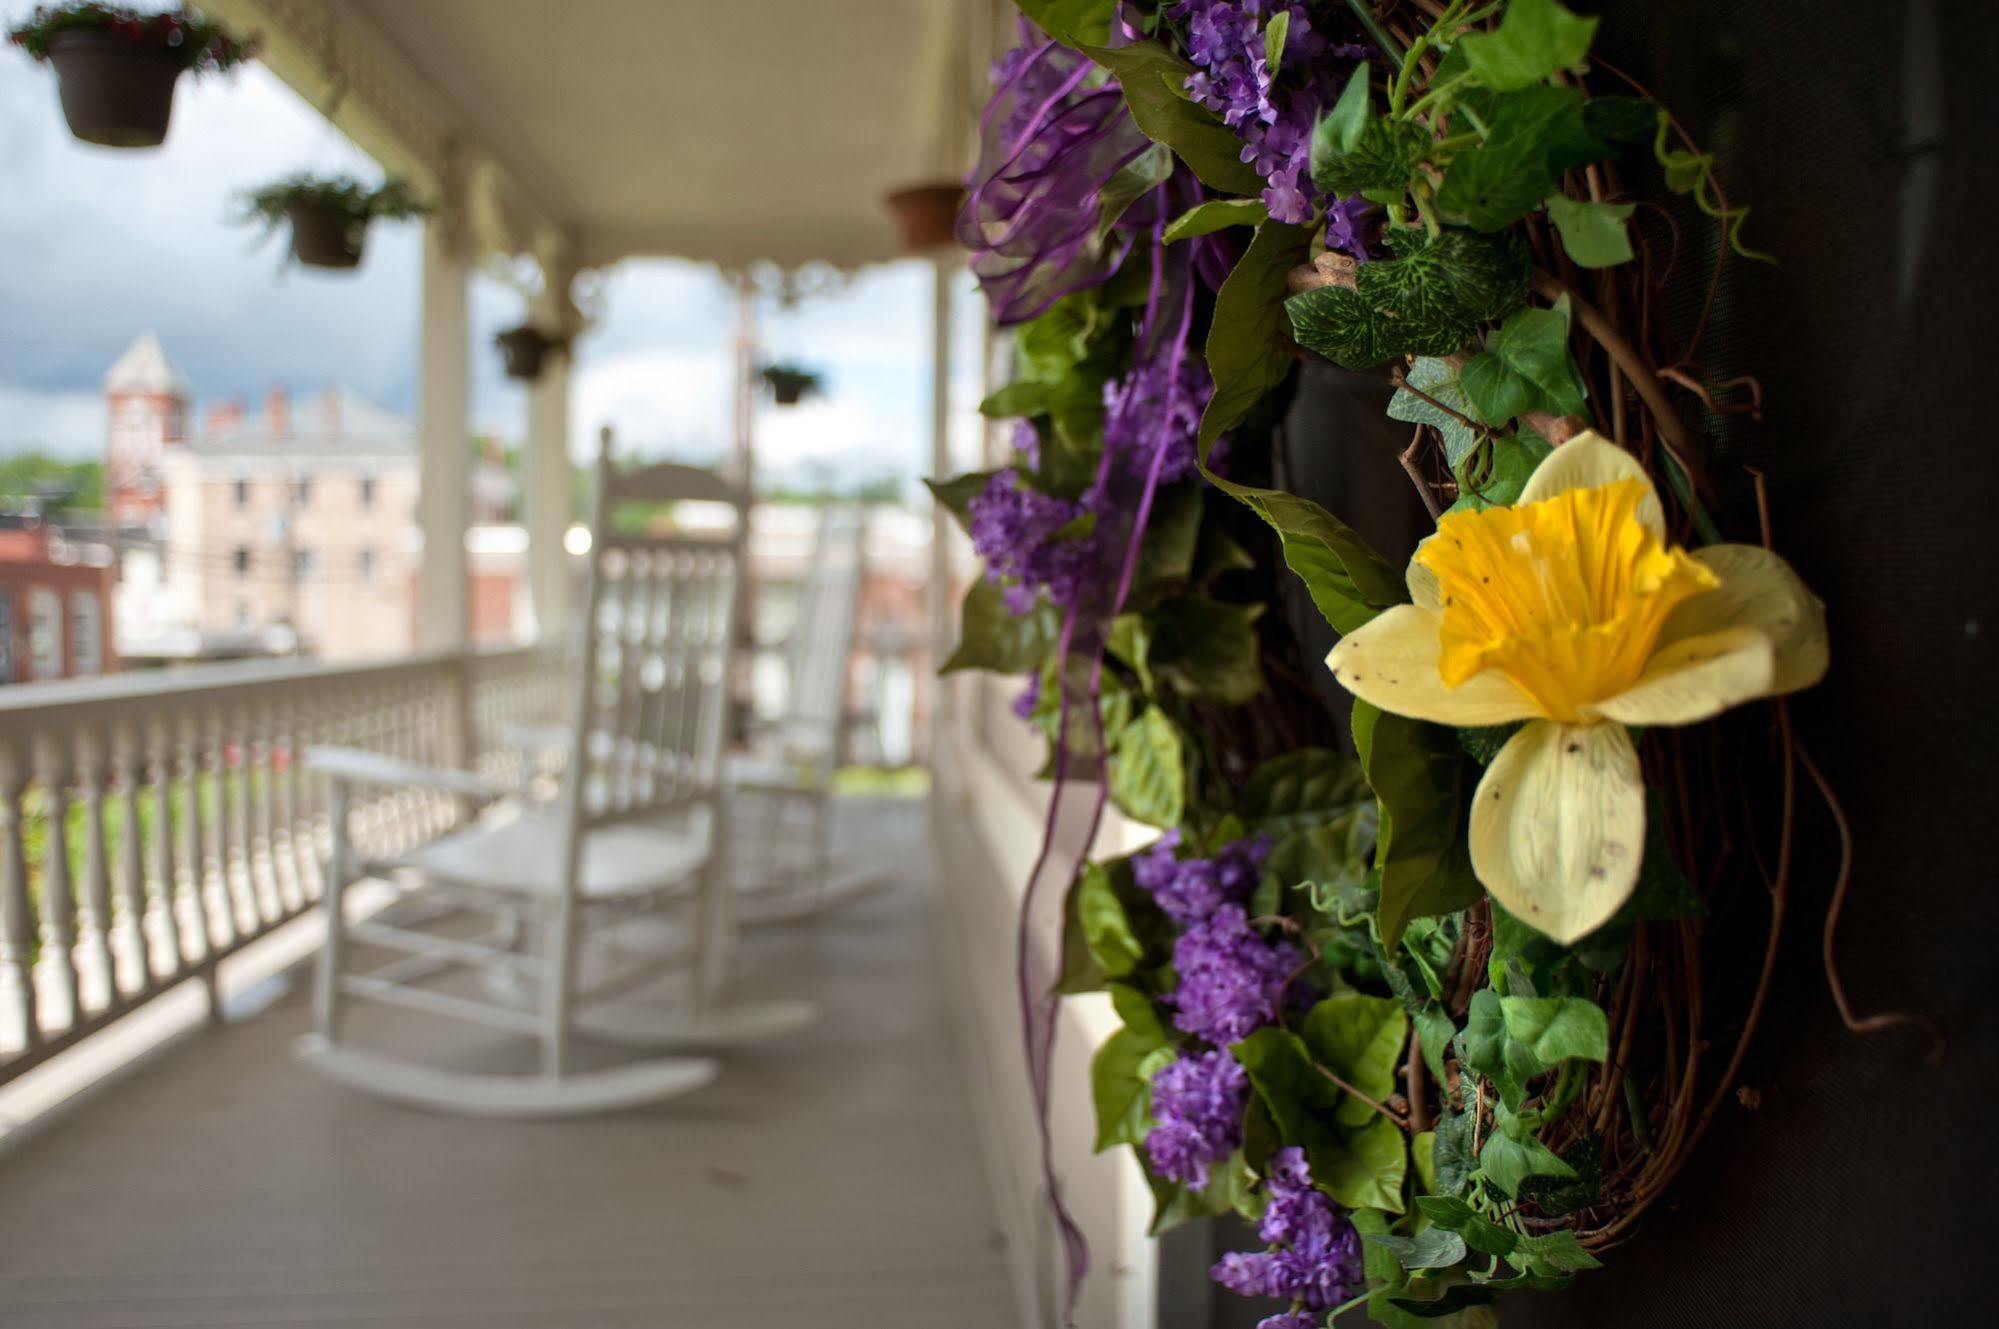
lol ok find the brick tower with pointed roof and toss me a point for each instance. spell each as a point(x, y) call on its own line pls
point(147, 401)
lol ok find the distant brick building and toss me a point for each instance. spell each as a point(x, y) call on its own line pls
point(291, 529)
point(54, 605)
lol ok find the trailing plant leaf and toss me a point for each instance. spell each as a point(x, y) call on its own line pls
point(1477, 1231)
point(991, 637)
point(1496, 473)
point(1153, 79)
point(1355, 151)
point(1121, 1086)
point(1106, 930)
point(1418, 772)
point(1217, 214)
point(1525, 367)
point(1557, 1029)
point(957, 493)
point(1360, 1039)
point(1506, 1161)
point(1536, 38)
point(1137, 178)
point(1148, 770)
point(1437, 380)
point(1595, 235)
point(1206, 650)
point(1299, 788)
point(1432, 1248)
point(1248, 347)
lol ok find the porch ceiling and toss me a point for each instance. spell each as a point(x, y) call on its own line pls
point(755, 129)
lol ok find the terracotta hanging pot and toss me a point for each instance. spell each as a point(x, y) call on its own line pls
point(115, 92)
point(927, 215)
point(524, 350)
point(324, 237)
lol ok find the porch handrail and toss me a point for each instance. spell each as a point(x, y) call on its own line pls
point(153, 824)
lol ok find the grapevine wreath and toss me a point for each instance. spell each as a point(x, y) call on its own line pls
point(1418, 990)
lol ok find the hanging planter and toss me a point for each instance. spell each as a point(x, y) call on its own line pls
point(116, 68)
point(329, 216)
point(525, 349)
point(790, 384)
point(927, 215)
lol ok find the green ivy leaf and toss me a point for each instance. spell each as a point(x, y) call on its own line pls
point(1172, 538)
point(1075, 23)
point(1556, 1197)
point(1436, 379)
point(1360, 1039)
point(1106, 929)
point(1132, 182)
point(1248, 349)
point(1148, 770)
point(1479, 1232)
point(1121, 1087)
point(956, 494)
point(1217, 214)
point(1535, 134)
point(1206, 650)
point(1153, 78)
point(1432, 1248)
point(1537, 38)
point(1418, 772)
point(1367, 1167)
point(1347, 580)
point(1558, 1029)
point(1621, 122)
point(1593, 234)
point(1021, 397)
point(1452, 1155)
point(1299, 788)
point(991, 637)
point(1526, 366)
point(1557, 1252)
point(1428, 300)
point(1507, 1161)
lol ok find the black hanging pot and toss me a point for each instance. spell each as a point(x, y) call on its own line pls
point(523, 350)
point(115, 92)
point(324, 237)
point(787, 391)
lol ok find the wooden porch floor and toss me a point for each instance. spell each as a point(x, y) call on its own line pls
point(831, 1179)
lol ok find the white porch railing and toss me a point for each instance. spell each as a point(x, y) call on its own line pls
point(153, 824)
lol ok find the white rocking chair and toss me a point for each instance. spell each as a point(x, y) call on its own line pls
point(638, 827)
point(782, 788)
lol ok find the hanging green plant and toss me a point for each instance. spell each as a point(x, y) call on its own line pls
point(329, 216)
point(116, 68)
point(790, 384)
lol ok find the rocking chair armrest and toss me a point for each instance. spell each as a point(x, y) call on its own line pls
point(360, 767)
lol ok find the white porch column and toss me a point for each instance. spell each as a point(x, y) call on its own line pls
point(942, 629)
point(547, 501)
point(444, 463)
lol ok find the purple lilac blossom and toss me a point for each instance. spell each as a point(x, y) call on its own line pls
point(1317, 1258)
point(1030, 696)
point(1197, 1103)
point(1289, 1320)
point(1013, 529)
point(1273, 111)
point(1142, 404)
point(1231, 979)
point(1027, 442)
point(1190, 890)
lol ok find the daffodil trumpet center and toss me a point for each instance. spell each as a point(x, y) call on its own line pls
point(1565, 597)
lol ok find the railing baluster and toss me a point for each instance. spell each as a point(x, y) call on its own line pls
point(55, 970)
point(198, 929)
point(252, 844)
point(134, 955)
point(171, 926)
point(19, 1028)
point(277, 809)
point(97, 982)
point(209, 768)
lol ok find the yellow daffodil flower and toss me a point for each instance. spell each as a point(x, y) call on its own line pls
point(1569, 610)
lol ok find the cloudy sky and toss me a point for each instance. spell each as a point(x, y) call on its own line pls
point(97, 245)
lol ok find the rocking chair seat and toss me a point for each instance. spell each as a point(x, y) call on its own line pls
point(524, 855)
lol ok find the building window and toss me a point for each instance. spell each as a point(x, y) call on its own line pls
point(242, 614)
point(242, 559)
point(44, 633)
point(86, 634)
point(367, 565)
point(302, 490)
point(368, 492)
point(242, 494)
point(6, 636)
point(302, 562)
